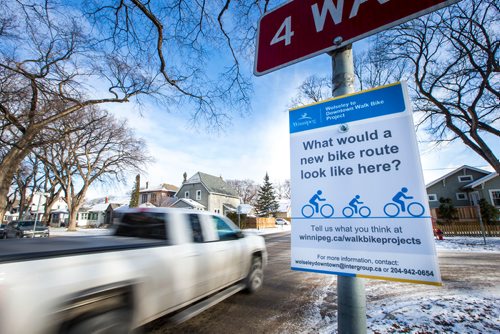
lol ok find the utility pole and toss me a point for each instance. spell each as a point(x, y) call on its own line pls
point(351, 299)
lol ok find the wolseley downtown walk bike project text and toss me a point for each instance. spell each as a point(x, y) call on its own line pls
point(358, 197)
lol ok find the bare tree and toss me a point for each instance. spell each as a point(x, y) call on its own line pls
point(246, 189)
point(57, 58)
point(313, 89)
point(45, 60)
point(283, 189)
point(373, 67)
point(450, 58)
point(103, 149)
point(454, 60)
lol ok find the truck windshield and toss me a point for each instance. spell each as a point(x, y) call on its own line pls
point(148, 225)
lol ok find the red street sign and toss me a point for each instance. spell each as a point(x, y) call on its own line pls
point(301, 29)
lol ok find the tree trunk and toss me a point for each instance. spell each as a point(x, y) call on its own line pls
point(76, 203)
point(8, 168)
point(72, 219)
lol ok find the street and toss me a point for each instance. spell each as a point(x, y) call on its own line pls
point(289, 299)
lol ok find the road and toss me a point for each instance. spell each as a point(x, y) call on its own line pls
point(290, 298)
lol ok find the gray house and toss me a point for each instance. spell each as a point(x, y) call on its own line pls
point(487, 187)
point(207, 192)
point(464, 186)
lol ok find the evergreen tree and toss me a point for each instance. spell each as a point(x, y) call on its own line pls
point(489, 213)
point(266, 199)
point(447, 210)
point(134, 197)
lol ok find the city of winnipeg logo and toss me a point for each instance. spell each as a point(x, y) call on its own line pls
point(304, 120)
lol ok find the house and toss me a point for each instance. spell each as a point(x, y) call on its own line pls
point(465, 186)
point(487, 187)
point(97, 215)
point(207, 192)
point(284, 209)
point(160, 196)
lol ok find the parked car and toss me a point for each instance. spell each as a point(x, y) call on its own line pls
point(2, 231)
point(281, 221)
point(25, 229)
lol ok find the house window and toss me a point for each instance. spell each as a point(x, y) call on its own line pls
point(186, 194)
point(198, 195)
point(432, 197)
point(153, 197)
point(495, 196)
point(461, 196)
point(465, 178)
point(144, 198)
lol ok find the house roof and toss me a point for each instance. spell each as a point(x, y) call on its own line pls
point(482, 180)
point(147, 205)
point(160, 187)
point(99, 207)
point(122, 208)
point(230, 207)
point(245, 208)
point(454, 172)
point(191, 203)
point(214, 184)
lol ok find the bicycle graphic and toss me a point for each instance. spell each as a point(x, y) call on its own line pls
point(353, 208)
point(326, 210)
point(363, 211)
point(308, 210)
point(414, 209)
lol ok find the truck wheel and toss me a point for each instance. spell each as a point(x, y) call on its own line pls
point(255, 276)
point(111, 322)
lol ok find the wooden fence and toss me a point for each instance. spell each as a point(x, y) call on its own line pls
point(469, 230)
point(466, 223)
point(259, 222)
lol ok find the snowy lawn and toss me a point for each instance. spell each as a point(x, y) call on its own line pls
point(421, 309)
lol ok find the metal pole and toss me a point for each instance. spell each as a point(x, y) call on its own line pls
point(351, 297)
point(478, 210)
point(36, 214)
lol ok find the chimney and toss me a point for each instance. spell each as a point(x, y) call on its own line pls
point(185, 177)
point(147, 183)
point(106, 200)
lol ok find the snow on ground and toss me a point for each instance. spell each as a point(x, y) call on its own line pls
point(468, 244)
point(453, 312)
point(410, 308)
point(420, 309)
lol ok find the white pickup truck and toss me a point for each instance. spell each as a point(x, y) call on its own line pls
point(157, 262)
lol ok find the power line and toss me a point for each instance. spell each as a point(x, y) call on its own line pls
point(444, 168)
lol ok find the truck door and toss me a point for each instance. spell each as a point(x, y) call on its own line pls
point(225, 251)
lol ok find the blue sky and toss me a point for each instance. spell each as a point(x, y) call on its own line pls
point(251, 145)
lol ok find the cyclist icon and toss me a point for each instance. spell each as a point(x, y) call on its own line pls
point(316, 197)
point(398, 205)
point(308, 210)
point(350, 210)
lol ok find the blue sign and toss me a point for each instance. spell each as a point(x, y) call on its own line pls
point(378, 102)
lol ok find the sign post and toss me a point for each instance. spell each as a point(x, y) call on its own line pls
point(351, 299)
point(358, 198)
